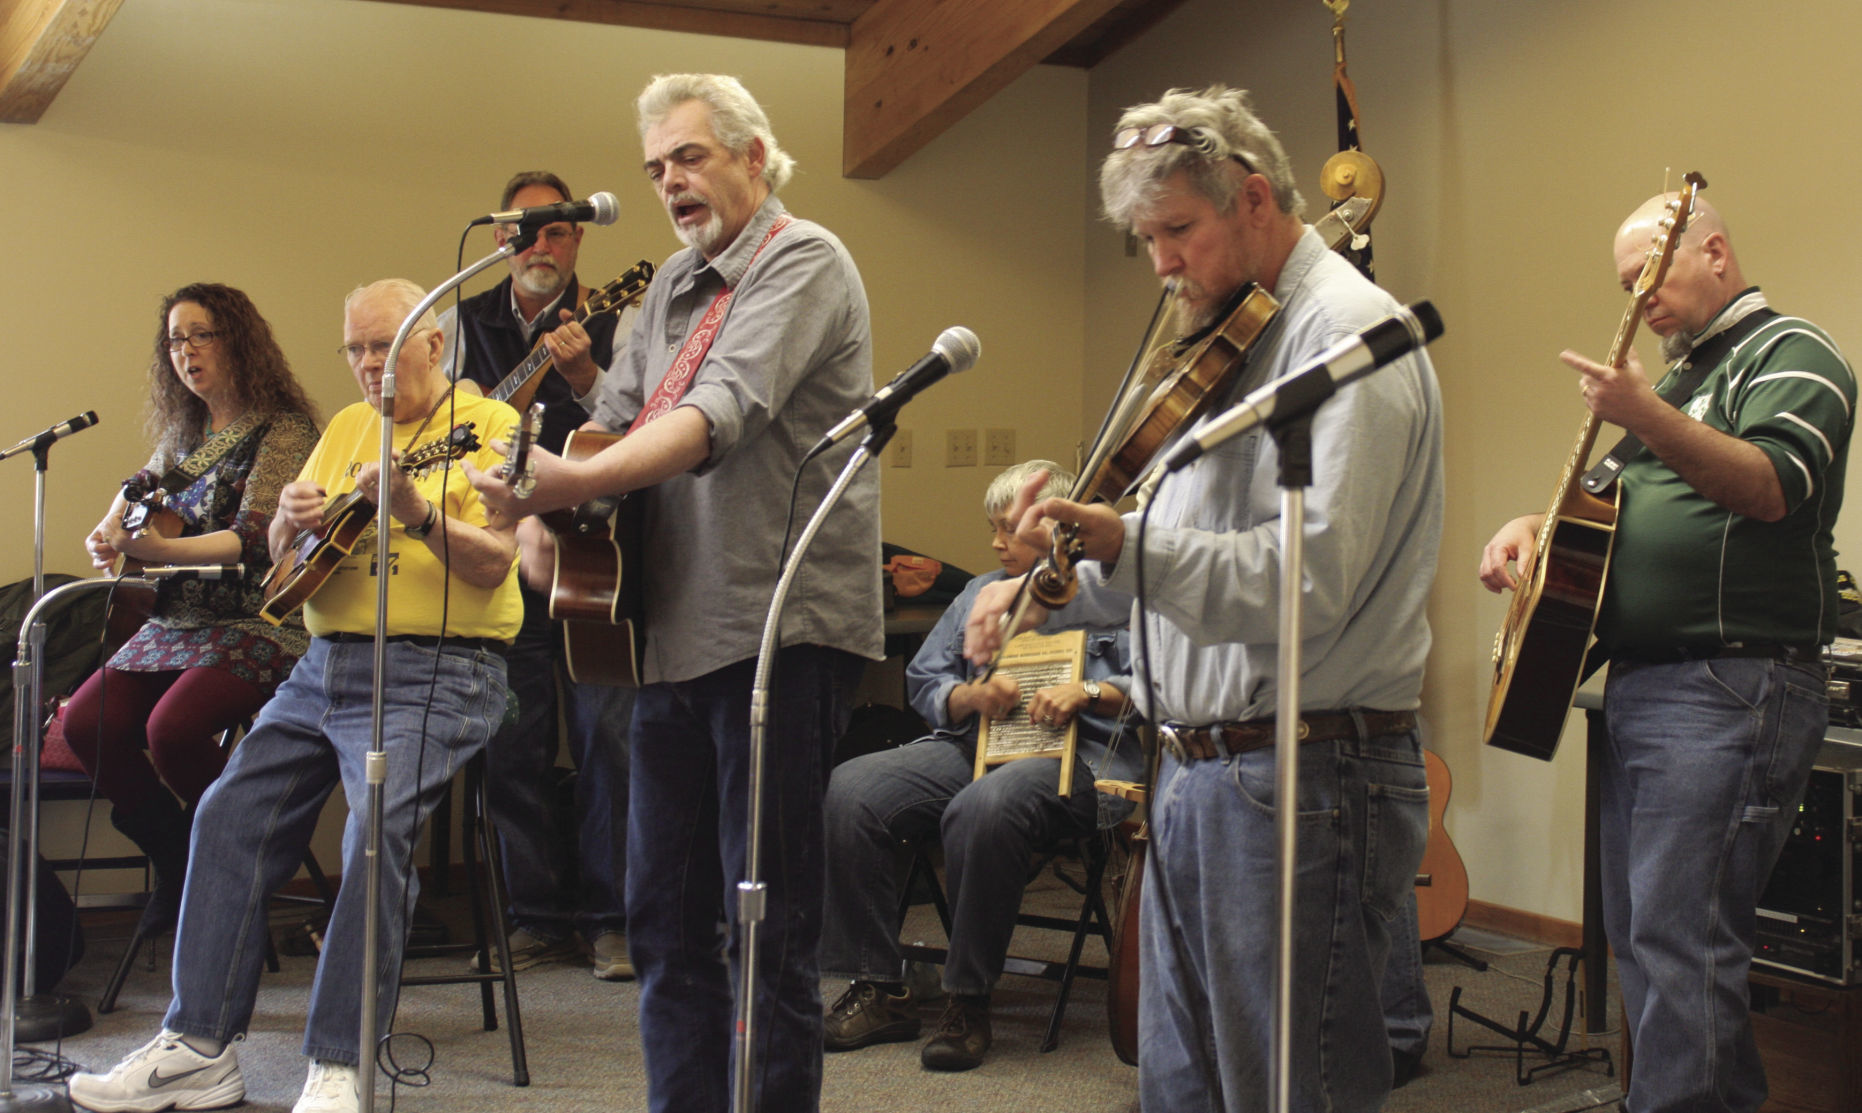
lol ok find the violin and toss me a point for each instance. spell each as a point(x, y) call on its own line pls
point(1182, 379)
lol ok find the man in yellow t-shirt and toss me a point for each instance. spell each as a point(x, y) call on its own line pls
point(453, 606)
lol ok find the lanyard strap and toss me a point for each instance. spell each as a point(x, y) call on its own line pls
point(679, 376)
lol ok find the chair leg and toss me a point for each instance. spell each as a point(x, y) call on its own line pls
point(1092, 913)
point(484, 940)
point(485, 835)
point(107, 1003)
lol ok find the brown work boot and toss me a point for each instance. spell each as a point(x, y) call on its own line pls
point(867, 1014)
point(962, 1035)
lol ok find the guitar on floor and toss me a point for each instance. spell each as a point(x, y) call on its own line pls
point(519, 388)
point(133, 600)
point(595, 588)
point(315, 553)
point(1538, 655)
point(1442, 879)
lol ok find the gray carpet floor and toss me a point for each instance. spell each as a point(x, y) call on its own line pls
point(581, 1036)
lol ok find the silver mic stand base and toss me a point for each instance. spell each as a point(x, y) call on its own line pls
point(48, 1016)
point(43, 1097)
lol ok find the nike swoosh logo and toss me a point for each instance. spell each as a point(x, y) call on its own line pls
point(157, 1080)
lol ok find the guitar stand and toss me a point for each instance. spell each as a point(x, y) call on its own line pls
point(1457, 953)
point(1526, 1035)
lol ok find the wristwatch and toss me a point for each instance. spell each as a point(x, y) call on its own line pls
point(1091, 688)
point(419, 532)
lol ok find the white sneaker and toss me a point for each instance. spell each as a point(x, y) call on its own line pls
point(330, 1088)
point(164, 1073)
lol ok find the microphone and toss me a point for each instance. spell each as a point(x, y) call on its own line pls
point(602, 208)
point(954, 350)
point(193, 572)
point(57, 432)
point(1300, 392)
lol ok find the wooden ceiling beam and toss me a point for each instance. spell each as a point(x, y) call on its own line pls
point(662, 16)
point(41, 44)
point(915, 67)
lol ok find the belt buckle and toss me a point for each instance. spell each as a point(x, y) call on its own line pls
point(1167, 734)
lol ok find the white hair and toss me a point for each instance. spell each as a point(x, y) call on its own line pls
point(1003, 488)
point(406, 294)
point(1223, 119)
point(736, 117)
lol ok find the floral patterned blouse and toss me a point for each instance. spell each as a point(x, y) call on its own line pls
point(216, 623)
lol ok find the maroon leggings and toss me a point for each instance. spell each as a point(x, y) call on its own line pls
point(176, 716)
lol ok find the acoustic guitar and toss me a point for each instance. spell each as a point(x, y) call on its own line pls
point(1442, 879)
point(315, 553)
point(1538, 655)
point(595, 587)
point(133, 600)
point(519, 387)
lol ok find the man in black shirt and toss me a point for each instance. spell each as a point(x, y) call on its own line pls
point(489, 336)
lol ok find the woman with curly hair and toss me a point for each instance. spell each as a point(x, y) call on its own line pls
point(231, 426)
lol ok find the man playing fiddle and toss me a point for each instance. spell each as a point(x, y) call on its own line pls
point(1207, 187)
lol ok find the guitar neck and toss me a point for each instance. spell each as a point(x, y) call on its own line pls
point(535, 364)
point(1579, 460)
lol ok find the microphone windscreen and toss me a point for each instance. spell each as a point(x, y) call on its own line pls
point(959, 347)
point(607, 208)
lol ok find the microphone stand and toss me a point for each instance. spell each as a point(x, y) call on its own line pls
point(752, 893)
point(47, 1017)
point(1293, 439)
point(26, 769)
point(375, 765)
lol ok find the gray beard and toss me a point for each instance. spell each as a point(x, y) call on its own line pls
point(1676, 346)
point(540, 282)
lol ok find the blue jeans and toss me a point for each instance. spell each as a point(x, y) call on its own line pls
point(252, 826)
point(1707, 763)
point(521, 762)
point(989, 828)
point(688, 823)
point(1408, 1015)
point(1206, 1004)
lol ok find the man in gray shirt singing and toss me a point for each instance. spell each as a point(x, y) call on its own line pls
point(751, 343)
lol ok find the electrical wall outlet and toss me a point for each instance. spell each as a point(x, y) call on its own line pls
point(899, 451)
point(960, 448)
point(999, 447)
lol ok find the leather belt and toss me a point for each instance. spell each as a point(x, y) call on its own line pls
point(469, 645)
point(1186, 743)
point(1675, 654)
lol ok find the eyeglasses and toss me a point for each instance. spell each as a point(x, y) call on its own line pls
point(558, 235)
point(1157, 135)
point(197, 340)
point(377, 348)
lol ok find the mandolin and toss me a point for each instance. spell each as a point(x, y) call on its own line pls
point(315, 553)
point(1538, 655)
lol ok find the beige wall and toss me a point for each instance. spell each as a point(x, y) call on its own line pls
point(295, 148)
point(1514, 138)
